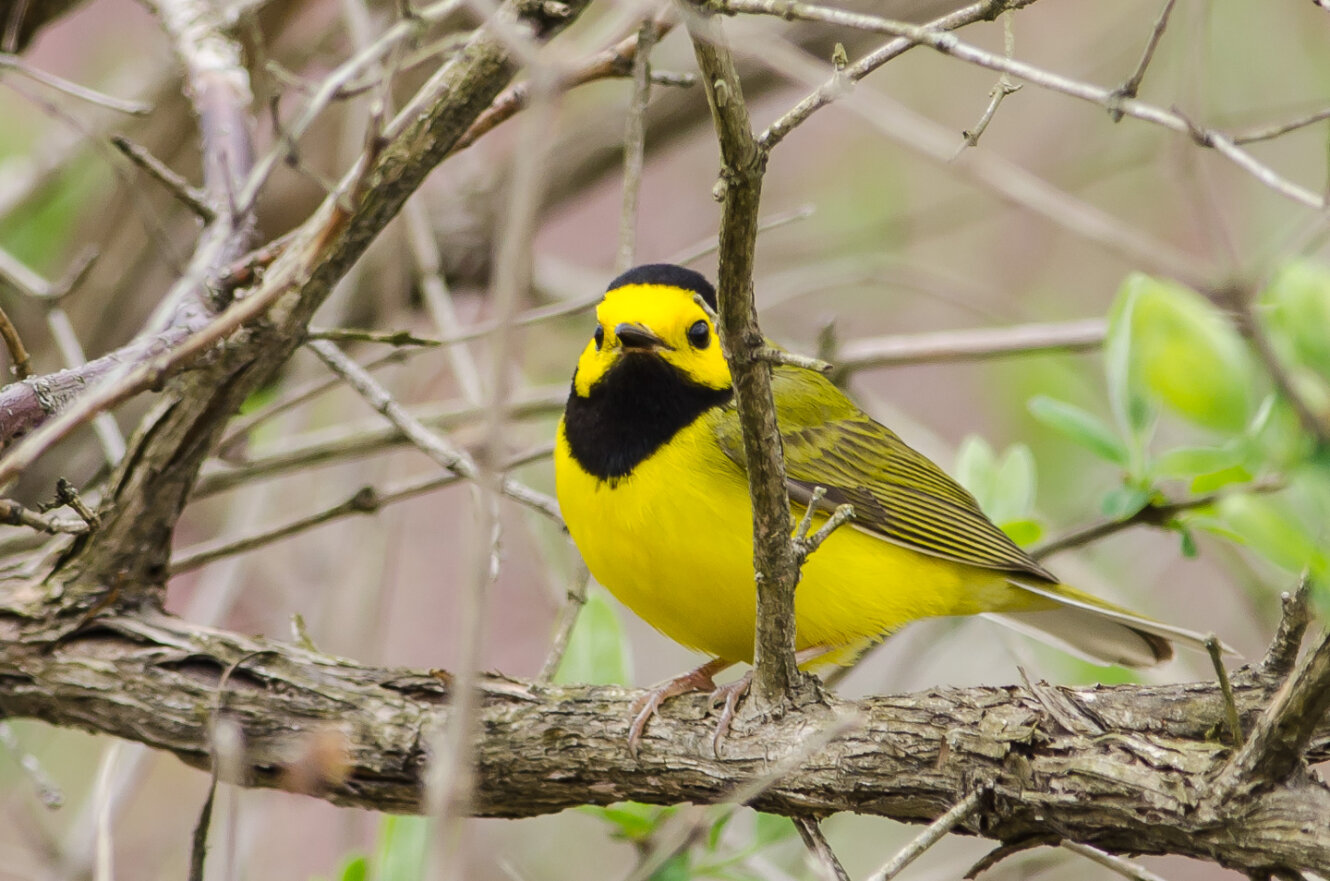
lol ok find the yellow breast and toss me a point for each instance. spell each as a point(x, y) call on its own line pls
point(673, 541)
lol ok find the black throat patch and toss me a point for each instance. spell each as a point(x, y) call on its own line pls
point(631, 412)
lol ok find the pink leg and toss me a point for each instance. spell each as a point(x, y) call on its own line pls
point(647, 706)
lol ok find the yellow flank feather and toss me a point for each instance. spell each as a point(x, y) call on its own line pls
point(649, 466)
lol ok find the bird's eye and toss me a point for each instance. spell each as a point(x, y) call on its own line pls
point(699, 335)
point(599, 337)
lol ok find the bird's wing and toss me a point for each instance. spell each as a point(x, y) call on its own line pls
point(898, 494)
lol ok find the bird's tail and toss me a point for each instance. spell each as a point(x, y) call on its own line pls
point(1098, 631)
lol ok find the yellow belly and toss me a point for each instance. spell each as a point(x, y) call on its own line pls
point(673, 541)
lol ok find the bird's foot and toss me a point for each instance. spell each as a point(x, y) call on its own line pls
point(649, 704)
point(729, 694)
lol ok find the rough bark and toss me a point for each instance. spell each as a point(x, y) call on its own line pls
point(1126, 768)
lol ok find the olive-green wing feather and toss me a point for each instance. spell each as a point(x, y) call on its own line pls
point(897, 493)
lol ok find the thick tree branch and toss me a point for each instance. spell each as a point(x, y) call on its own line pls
point(1136, 782)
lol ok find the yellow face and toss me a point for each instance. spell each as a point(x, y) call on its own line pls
point(661, 319)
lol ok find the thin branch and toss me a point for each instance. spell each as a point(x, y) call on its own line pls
point(820, 849)
point(324, 447)
point(48, 791)
point(962, 345)
point(563, 627)
point(1153, 514)
point(1215, 649)
point(696, 252)
point(14, 514)
point(616, 61)
point(1112, 862)
point(332, 86)
point(746, 788)
point(108, 432)
point(74, 90)
point(835, 87)
point(742, 165)
point(1293, 620)
point(1275, 746)
point(356, 335)
point(949, 44)
point(427, 441)
point(958, 814)
point(1000, 90)
point(773, 355)
point(366, 500)
point(1268, 132)
point(1004, 178)
point(18, 353)
point(240, 427)
point(634, 146)
point(805, 545)
point(191, 197)
point(1237, 299)
point(1132, 84)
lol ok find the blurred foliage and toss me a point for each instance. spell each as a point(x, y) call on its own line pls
point(1173, 355)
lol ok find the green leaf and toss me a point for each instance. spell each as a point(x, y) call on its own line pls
point(676, 868)
point(1185, 463)
point(1005, 487)
point(1189, 356)
point(976, 469)
point(355, 869)
point(1080, 426)
point(717, 829)
point(597, 652)
point(1296, 307)
point(403, 848)
point(1208, 483)
point(1272, 528)
point(1126, 391)
point(1014, 484)
point(1189, 549)
point(1125, 501)
point(632, 821)
point(1023, 532)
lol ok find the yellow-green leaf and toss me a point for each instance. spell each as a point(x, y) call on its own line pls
point(1189, 356)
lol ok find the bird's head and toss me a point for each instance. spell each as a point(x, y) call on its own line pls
point(651, 312)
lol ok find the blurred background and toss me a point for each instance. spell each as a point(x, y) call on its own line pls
point(872, 235)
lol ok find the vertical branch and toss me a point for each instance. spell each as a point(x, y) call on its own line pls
point(739, 189)
point(634, 145)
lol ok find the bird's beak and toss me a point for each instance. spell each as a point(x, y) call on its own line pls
point(635, 336)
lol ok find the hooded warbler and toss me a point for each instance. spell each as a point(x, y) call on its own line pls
point(650, 471)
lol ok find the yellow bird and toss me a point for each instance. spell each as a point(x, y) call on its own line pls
point(651, 480)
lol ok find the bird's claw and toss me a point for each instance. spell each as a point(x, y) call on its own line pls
point(730, 695)
point(649, 704)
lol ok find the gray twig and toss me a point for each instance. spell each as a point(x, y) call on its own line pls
point(429, 443)
point(634, 145)
point(1000, 91)
point(820, 849)
point(191, 197)
point(1275, 745)
point(1112, 862)
point(1216, 651)
point(1132, 85)
point(959, 813)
